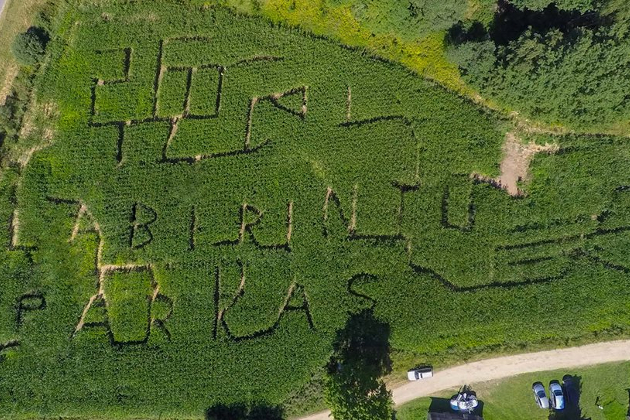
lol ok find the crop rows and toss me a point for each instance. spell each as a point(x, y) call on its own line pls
point(222, 192)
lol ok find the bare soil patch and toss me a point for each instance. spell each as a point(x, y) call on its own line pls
point(515, 164)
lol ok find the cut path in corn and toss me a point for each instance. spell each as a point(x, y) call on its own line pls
point(503, 367)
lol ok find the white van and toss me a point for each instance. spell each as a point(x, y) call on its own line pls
point(419, 373)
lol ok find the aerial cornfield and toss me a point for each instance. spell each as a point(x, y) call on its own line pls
point(220, 192)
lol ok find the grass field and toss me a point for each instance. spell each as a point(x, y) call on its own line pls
point(220, 192)
point(512, 399)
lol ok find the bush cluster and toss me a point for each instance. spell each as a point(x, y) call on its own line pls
point(28, 47)
point(562, 68)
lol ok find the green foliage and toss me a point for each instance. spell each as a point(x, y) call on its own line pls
point(206, 288)
point(13, 110)
point(552, 77)
point(172, 95)
point(352, 397)
point(308, 398)
point(204, 91)
point(559, 71)
point(128, 296)
point(8, 113)
point(28, 47)
point(304, 182)
point(353, 388)
point(619, 10)
point(582, 5)
point(408, 19)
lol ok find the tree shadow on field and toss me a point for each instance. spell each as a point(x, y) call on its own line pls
point(363, 341)
point(354, 389)
point(241, 411)
point(440, 405)
point(572, 387)
point(443, 405)
point(510, 22)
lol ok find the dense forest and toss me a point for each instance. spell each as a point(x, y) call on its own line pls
point(564, 63)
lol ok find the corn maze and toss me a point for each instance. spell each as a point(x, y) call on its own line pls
point(221, 193)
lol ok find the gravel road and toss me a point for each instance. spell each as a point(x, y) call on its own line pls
point(503, 367)
point(2, 3)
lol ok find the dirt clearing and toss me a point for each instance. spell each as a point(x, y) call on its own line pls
point(515, 164)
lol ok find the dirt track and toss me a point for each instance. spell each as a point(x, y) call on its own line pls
point(2, 3)
point(503, 367)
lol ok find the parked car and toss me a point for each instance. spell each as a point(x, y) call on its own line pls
point(556, 395)
point(419, 373)
point(571, 392)
point(540, 395)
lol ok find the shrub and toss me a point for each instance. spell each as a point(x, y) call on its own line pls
point(28, 47)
